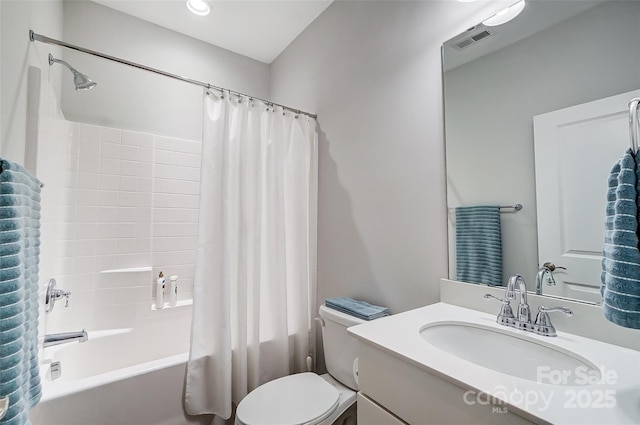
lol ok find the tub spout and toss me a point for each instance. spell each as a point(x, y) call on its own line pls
point(63, 338)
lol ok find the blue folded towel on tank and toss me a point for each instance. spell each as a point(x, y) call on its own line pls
point(360, 309)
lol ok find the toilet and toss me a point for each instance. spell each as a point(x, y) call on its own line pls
point(308, 398)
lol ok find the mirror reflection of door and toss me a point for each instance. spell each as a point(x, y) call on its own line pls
point(575, 149)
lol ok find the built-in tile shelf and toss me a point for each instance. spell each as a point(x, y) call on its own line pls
point(128, 270)
point(182, 303)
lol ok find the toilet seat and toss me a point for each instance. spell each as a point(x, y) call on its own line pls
point(303, 398)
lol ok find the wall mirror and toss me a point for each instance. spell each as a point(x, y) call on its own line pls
point(536, 113)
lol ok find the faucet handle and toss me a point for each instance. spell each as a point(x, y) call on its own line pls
point(543, 325)
point(57, 294)
point(66, 295)
point(502, 300)
point(567, 311)
point(505, 317)
point(53, 294)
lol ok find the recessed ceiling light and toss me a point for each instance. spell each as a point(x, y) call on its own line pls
point(505, 15)
point(199, 7)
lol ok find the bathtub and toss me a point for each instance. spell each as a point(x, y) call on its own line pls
point(109, 380)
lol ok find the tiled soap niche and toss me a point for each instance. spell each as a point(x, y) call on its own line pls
point(132, 211)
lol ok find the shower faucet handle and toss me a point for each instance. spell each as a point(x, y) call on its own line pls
point(57, 294)
point(53, 294)
point(66, 295)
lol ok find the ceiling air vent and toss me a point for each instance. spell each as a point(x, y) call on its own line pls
point(466, 42)
point(481, 35)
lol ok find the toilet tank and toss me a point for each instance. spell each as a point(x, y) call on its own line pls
point(340, 348)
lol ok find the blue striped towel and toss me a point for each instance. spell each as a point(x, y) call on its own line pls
point(360, 309)
point(620, 255)
point(19, 260)
point(479, 245)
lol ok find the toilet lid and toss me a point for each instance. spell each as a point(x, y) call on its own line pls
point(303, 398)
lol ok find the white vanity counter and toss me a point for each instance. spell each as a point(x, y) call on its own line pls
point(554, 395)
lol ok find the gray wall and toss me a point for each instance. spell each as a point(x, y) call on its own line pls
point(137, 100)
point(17, 54)
point(490, 104)
point(372, 72)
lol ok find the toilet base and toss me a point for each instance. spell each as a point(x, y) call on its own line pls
point(349, 417)
point(346, 412)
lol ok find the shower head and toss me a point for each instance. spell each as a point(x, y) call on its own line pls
point(81, 81)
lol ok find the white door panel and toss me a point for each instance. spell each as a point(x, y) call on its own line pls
point(575, 149)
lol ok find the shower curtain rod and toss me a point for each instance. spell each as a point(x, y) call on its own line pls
point(44, 39)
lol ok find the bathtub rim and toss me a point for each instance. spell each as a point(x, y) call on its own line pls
point(54, 389)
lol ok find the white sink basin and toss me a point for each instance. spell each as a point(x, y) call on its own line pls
point(511, 353)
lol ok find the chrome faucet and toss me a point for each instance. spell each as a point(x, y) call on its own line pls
point(542, 325)
point(65, 337)
point(546, 269)
point(524, 314)
point(540, 277)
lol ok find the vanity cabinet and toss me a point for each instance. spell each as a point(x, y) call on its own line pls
point(442, 376)
point(371, 413)
point(394, 391)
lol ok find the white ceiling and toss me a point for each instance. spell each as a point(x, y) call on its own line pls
point(259, 29)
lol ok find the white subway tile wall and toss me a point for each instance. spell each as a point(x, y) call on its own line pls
point(174, 208)
point(124, 200)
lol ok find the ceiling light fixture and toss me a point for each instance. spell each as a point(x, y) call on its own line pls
point(505, 15)
point(199, 7)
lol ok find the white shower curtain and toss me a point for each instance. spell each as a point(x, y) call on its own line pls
point(256, 251)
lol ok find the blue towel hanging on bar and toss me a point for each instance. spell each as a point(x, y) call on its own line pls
point(479, 245)
point(19, 260)
point(620, 256)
